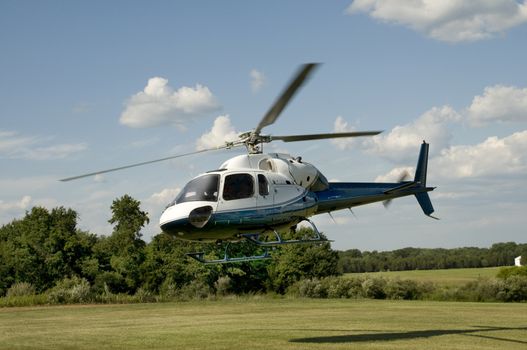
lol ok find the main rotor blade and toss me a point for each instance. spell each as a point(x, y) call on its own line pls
point(282, 101)
point(145, 163)
point(294, 138)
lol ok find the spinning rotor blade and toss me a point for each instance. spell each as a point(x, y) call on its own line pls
point(285, 97)
point(294, 138)
point(404, 176)
point(227, 146)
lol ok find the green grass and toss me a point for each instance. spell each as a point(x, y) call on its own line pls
point(449, 277)
point(262, 323)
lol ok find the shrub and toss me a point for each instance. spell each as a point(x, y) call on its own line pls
point(24, 300)
point(223, 285)
point(402, 289)
point(194, 290)
point(514, 288)
point(339, 287)
point(308, 288)
point(144, 296)
point(70, 290)
point(20, 289)
point(168, 290)
point(374, 288)
point(506, 272)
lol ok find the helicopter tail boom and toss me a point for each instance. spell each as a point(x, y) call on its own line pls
point(341, 195)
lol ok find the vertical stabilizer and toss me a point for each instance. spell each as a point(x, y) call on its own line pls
point(420, 180)
point(422, 164)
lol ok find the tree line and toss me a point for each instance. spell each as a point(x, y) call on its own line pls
point(499, 254)
point(46, 247)
point(45, 252)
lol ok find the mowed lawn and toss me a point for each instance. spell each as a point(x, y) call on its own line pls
point(447, 277)
point(264, 323)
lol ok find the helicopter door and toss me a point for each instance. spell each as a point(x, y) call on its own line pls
point(265, 196)
point(238, 196)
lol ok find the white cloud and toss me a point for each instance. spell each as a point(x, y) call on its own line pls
point(163, 197)
point(14, 208)
point(221, 131)
point(397, 175)
point(158, 104)
point(402, 142)
point(14, 146)
point(22, 204)
point(492, 157)
point(498, 103)
point(447, 20)
point(340, 125)
point(257, 80)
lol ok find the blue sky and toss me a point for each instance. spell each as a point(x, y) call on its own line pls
point(92, 85)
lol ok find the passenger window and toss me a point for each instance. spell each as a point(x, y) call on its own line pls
point(263, 185)
point(238, 186)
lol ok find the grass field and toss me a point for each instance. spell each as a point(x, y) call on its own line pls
point(450, 277)
point(262, 323)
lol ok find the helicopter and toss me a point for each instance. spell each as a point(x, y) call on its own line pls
point(257, 197)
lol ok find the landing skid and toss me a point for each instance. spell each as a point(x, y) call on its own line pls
point(254, 239)
point(226, 259)
point(317, 238)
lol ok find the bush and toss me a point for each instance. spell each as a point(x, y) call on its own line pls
point(70, 290)
point(110, 280)
point(514, 288)
point(373, 288)
point(344, 287)
point(194, 290)
point(168, 290)
point(20, 289)
point(144, 296)
point(403, 289)
point(223, 285)
point(506, 272)
point(24, 300)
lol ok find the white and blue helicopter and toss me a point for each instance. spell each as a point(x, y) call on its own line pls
point(257, 197)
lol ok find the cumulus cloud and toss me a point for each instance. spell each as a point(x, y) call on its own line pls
point(159, 104)
point(222, 131)
point(22, 204)
point(15, 146)
point(447, 20)
point(397, 175)
point(498, 103)
point(163, 197)
point(402, 141)
point(14, 208)
point(257, 80)
point(340, 125)
point(494, 156)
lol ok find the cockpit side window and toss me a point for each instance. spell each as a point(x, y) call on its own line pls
point(238, 186)
point(263, 185)
point(203, 188)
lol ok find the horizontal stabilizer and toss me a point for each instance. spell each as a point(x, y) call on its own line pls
point(400, 188)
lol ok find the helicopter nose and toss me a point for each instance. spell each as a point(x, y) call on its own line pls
point(185, 218)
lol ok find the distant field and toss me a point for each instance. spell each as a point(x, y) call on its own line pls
point(268, 324)
point(449, 277)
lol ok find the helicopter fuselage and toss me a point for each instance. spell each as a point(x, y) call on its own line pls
point(251, 193)
point(265, 193)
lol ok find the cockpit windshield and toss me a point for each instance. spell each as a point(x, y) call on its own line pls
point(203, 188)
